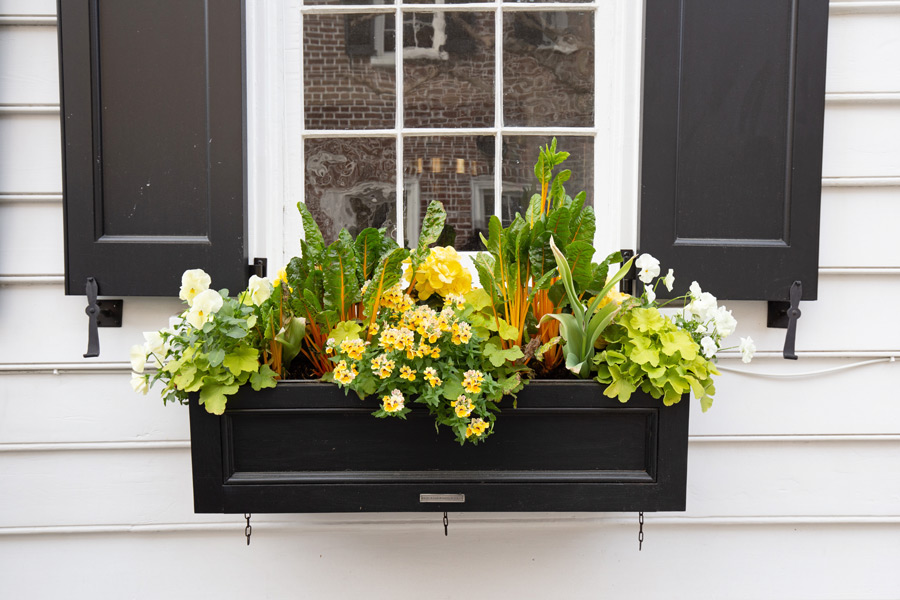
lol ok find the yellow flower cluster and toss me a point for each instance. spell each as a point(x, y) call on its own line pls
point(382, 366)
point(476, 427)
point(455, 300)
point(441, 273)
point(392, 403)
point(431, 376)
point(462, 333)
point(463, 407)
point(343, 374)
point(472, 381)
point(395, 299)
point(397, 339)
point(407, 373)
point(354, 348)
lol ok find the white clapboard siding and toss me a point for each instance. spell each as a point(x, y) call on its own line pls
point(28, 7)
point(49, 411)
point(28, 65)
point(584, 560)
point(30, 156)
point(64, 322)
point(859, 227)
point(79, 408)
point(864, 52)
point(751, 479)
point(862, 140)
point(31, 237)
point(824, 326)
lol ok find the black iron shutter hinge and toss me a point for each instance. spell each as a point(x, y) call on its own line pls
point(101, 313)
point(628, 283)
point(260, 267)
point(784, 315)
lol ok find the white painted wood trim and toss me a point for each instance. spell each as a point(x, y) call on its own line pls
point(65, 368)
point(460, 519)
point(48, 20)
point(94, 446)
point(860, 181)
point(862, 98)
point(32, 279)
point(29, 109)
point(849, 8)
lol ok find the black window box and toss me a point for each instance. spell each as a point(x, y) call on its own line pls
point(304, 446)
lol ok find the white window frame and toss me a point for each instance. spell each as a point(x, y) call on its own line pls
point(276, 131)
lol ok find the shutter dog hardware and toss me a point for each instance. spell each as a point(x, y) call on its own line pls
point(784, 315)
point(101, 313)
point(628, 284)
point(260, 267)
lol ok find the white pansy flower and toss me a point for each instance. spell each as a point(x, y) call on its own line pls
point(138, 358)
point(709, 347)
point(725, 322)
point(206, 304)
point(695, 289)
point(651, 295)
point(155, 342)
point(703, 307)
point(260, 289)
point(193, 282)
point(748, 348)
point(669, 279)
point(139, 383)
point(648, 268)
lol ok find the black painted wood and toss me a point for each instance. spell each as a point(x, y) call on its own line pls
point(152, 95)
point(733, 110)
point(306, 447)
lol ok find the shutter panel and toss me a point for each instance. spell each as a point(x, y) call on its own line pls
point(153, 143)
point(733, 107)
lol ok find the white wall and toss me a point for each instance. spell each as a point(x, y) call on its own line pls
point(794, 483)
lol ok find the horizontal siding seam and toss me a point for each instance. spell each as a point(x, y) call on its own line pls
point(460, 520)
point(144, 445)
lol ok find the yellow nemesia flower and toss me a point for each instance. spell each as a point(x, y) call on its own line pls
point(472, 381)
point(345, 375)
point(407, 373)
point(463, 407)
point(392, 403)
point(476, 427)
point(431, 377)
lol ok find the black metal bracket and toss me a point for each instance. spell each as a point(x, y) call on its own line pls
point(628, 283)
point(784, 315)
point(260, 267)
point(101, 313)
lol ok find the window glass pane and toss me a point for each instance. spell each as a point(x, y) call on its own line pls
point(448, 69)
point(548, 69)
point(350, 184)
point(456, 170)
point(519, 183)
point(349, 80)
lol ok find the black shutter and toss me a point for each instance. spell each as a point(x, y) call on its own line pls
point(733, 106)
point(152, 95)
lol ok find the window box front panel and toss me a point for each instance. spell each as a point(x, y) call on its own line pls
point(306, 447)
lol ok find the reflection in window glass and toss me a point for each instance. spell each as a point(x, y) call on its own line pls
point(344, 88)
point(519, 184)
point(456, 170)
point(451, 84)
point(350, 184)
point(548, 69)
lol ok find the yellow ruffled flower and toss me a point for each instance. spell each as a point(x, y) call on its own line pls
point(472, 381)
point(476, 427)
point(441, 273)
point(613, 296)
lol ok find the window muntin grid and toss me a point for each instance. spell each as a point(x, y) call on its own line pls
point(402, 132)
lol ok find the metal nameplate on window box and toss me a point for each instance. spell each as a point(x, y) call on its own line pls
point(458, 498)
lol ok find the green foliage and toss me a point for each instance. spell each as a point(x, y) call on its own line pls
point(581, 329)
point(647, 351)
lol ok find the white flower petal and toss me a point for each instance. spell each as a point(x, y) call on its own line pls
point(748, 348)
point(138, 358)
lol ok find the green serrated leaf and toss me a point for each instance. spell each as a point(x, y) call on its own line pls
point(242, 358)
point(213, 396)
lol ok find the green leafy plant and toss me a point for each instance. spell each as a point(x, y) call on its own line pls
point(581, 328)
point(217, 345)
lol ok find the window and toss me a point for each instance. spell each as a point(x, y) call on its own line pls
point(458, 118)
